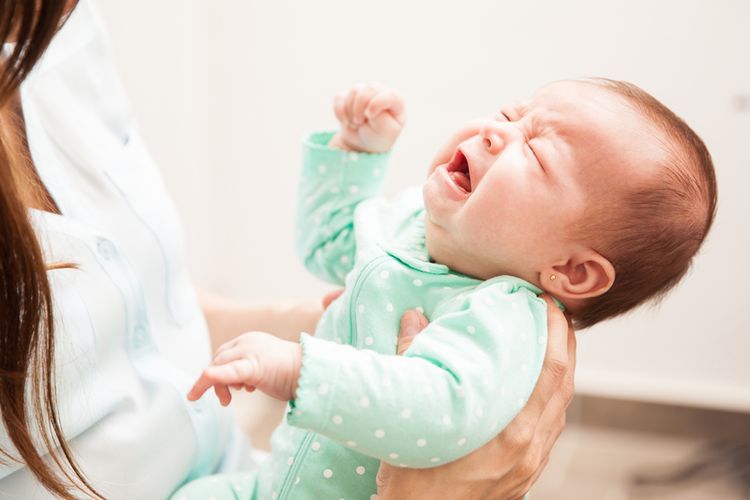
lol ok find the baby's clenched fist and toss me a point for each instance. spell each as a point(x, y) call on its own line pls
point(371, 118)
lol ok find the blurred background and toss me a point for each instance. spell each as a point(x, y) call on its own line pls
point(225, 90)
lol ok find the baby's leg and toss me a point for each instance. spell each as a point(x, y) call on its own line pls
point(237, 486)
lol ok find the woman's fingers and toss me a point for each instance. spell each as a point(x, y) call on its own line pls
point(556, 364)
point(331, 296)
point(506, 467)
point(553, 418)
point(412, 322)
point(543, 420)
point(381, 479)
point(530, 435)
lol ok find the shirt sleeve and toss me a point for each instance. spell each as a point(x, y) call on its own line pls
point(459, 384)
point(333, 183)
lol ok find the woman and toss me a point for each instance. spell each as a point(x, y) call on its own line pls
point(101, 332)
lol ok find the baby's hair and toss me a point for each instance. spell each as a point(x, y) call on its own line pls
point(656, 229)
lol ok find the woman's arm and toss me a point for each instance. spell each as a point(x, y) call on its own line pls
point(227, 318)
point(507, 466)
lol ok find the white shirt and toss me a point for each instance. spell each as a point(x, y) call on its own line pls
point(131, 337)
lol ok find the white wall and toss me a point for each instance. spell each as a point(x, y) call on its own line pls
point(224, 90)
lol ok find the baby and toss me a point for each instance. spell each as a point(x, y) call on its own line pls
point(592, 191)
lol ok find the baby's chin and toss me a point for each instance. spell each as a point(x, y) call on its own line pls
point(437, 245)
point(443, 250)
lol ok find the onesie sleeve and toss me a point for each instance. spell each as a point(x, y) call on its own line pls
point(333, 183)
point(459, 384)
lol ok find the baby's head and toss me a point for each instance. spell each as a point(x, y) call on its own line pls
point(592, 190)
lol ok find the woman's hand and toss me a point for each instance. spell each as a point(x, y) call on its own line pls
point(506, 467)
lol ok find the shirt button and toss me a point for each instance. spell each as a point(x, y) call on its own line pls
point(106, 248)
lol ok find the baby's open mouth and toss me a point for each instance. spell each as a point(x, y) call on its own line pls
point(458, 171)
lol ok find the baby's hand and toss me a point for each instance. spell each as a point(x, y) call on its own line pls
point(254, 360)
point(371, 118)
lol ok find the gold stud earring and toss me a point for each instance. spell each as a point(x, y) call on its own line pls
point(552, 277)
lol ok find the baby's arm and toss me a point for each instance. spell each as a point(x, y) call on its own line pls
point(460, 383)
point(340, 171)
point(462, 380)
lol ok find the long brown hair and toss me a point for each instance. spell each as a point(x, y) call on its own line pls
point(27, 341)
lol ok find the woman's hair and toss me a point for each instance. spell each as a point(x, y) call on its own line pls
point(27, 342)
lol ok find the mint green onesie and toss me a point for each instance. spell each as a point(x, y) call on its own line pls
point(461, 381)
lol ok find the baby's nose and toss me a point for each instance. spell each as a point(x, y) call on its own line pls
point(496, 135)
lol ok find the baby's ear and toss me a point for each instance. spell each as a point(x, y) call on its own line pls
point(585, 274)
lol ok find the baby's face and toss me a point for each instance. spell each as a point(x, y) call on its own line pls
point(506, 193)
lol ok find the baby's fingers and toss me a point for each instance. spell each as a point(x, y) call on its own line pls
point(386, 100)
point(362, 99)
point(241, 371)
point(222, 392)
point(351, 95)
point(340, 110)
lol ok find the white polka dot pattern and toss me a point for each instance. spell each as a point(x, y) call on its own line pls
point(415, 418)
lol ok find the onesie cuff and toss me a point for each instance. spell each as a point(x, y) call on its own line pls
point(356, 170)
point(316, 386)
